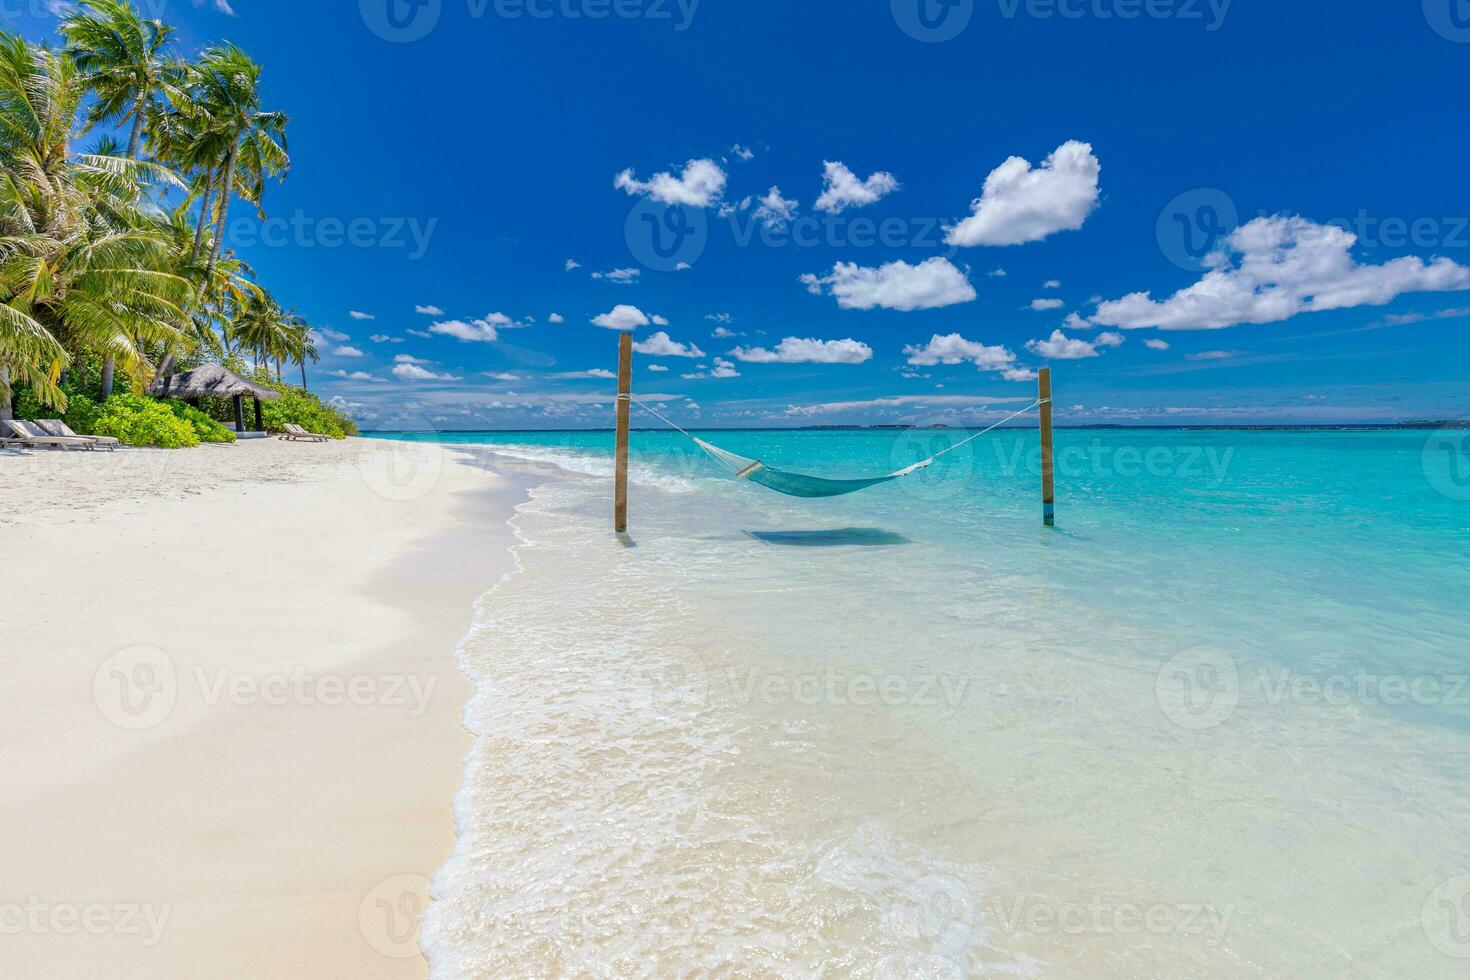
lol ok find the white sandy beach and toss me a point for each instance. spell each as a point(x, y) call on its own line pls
point(229, 731)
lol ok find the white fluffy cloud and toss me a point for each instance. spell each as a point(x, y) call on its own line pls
point(622, 317)
point(1060, 347)
point(932, 283)
point(721, 369)
point(775, 211)
point(1022, 204)
point(429, 310)
point(1154, 343)
point(623, 277)
point(1047, 304)
point(359, 315)
point(661, 345)
point(354, 375)
point(954, 349)
point(657, 367)
point(556, 318)
point(1273, 268)
point(573, 264)
point(412, 372)
point(795, 350)
point(346, 351)
point(701, 184)
point(485, 330)
point(842, 189)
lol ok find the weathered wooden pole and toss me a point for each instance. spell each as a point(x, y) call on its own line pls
point(625, 400)
point(239, 413)
point(1048, 466)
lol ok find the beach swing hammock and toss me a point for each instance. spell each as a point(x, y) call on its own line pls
point(813, 487)
point(799, 484)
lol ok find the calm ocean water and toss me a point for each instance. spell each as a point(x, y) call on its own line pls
point(1217, 724)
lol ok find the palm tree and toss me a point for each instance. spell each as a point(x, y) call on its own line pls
point(223, 106)
point(120, 54)
point(274, 334)
point(83, 262)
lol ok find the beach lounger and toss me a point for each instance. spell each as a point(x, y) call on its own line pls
point(27, 434)
point(294, 432)
point(56, 427)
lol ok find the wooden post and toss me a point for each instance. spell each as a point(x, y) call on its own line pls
point(625, 397)
point(1048, 466)
point(239, 413)
point(259, 424)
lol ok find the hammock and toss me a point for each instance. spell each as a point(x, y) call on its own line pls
point(810, 487)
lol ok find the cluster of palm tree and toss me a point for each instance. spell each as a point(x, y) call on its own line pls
point(120, 252)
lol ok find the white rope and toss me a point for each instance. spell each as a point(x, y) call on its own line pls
point(918, 466)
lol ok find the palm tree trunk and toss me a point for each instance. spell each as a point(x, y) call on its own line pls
point(203, 217)
point(6, 407)
point(109, 364)
point(224, 206)
point(303, 375)
point(278, 369)
point(136, 139)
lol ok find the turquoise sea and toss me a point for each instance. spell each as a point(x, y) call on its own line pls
point(1216, 724)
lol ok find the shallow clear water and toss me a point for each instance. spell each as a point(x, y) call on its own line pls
point(1216, 724)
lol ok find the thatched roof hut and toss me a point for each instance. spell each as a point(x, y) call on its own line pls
point(210, 381)
point(215, 381)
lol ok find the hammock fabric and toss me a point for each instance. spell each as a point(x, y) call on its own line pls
point(810, 487)
point(796, 484)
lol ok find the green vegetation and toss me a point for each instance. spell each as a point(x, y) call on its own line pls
point(138, 421)
point(112, 262)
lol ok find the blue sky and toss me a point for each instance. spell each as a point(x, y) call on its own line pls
point(452, 160)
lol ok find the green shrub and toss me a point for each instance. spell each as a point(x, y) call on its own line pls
point(301, 407)
point(206, 428)
point(135, 420)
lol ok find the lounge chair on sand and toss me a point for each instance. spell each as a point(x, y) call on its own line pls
point(56, 427)
point(294, 432)
point(28, 435)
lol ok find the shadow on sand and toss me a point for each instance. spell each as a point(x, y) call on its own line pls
point(863, 537)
